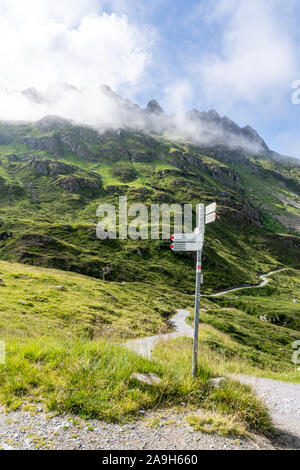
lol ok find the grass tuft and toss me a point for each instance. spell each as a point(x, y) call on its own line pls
point(216, 423)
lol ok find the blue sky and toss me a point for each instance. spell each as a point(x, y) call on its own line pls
point(239, 57)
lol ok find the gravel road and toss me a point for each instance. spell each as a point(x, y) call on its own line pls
point(144, 346)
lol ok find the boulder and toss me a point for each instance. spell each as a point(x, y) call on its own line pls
point(149, 378)
point(47, 167)
point(217, 381)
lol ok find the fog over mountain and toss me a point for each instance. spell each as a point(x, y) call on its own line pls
point(104, 109)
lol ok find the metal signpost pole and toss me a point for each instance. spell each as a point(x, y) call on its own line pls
point(194, 242)
point(197, 305)
point(200, 228)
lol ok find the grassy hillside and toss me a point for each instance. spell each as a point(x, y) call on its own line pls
point(36, 302)
point(61, 325)
point(52, 182)
point(58, 330)
point(62, 331)
point(277, 303)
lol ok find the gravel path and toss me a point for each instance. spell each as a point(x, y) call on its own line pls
point(144, 346)
point(281, 398)
point(263, 277)
point(283, 402)
point(164, 430)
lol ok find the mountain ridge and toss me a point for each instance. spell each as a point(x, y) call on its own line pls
point(109, 110)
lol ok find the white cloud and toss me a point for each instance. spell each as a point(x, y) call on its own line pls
point(69, 12)
point(178, 95)
point(256, 59)
point(42, 41)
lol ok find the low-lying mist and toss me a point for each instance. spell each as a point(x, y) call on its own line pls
point(103, 109)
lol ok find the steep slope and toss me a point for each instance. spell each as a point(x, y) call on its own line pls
point(54, 174)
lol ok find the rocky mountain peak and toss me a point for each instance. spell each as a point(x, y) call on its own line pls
point(204, 128)
point(225, 131)
point(154, 107)
point(213, 115)
point(253, 135)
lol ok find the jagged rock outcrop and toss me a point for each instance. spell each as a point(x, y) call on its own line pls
point(75, 184)
point(37, 238)
point(112, 189)
point(57, 144)
point(242, 212)
point(69, 177)
point(46, 167)
point(154, 107)
point(224, 131)
point(32, 94)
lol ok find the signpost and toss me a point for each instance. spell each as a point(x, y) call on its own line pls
point(187, 242)
point(211, 208)
point(194, 242)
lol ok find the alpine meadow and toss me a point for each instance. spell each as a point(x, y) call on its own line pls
point(76, 310)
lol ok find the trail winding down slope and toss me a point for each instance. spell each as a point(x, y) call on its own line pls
point(264, 282)
point(144, 346)
point(281, 398)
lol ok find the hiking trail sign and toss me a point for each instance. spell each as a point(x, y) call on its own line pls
point(194, 242)
point(187, 242)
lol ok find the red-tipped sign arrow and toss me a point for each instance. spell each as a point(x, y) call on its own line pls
point(210, 218)
point(211, 208)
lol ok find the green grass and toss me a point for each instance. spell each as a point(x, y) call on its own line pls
point(216, 423)
point(229, 398)
point(278, 302)
point(36, 302)
point(93, 380)
point(248, 344)
point(61, 353)
point(58, 339)
point(90, 379)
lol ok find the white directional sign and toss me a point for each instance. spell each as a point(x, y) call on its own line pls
point(187, 246)
point(210, 218)
point(210, 214)
point(184, 237)
point(211, 208)
point(187, 242)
